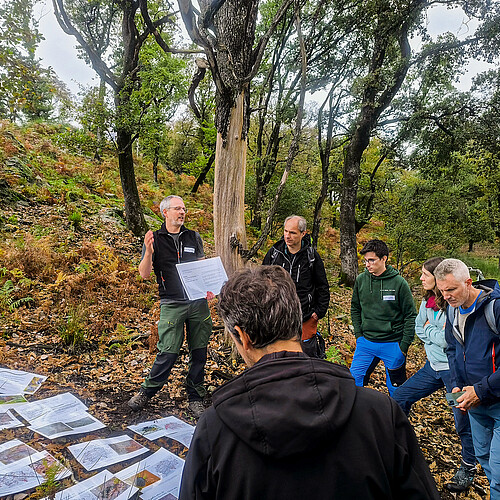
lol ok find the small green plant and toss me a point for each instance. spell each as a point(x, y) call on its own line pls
point(124, 341)
point(7, 300)
point(75, 218)
point(333, 355)
point(39, 231)
point(73, 331)
point(49, 487)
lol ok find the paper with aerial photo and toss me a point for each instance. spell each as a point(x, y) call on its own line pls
point(29, 472)
point(202, 276)
point(9, 401)
point(60, 415)
point(67, 425)
point(102, 486)
point(13, 451)
point(170, 427)
point(166, 490)
point(103, 452)
point(18, 382)
point(154, 473)
point(8, 421)
point(51, 409)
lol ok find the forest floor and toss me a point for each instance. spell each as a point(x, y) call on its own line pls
point(89, 321)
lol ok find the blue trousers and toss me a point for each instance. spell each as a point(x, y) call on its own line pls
point(485, 425)
point(368, 354)
point(425, 382)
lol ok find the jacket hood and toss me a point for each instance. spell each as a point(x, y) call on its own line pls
point(287, 403)
point(490, 289)
point(390, 272)
point(281, 245)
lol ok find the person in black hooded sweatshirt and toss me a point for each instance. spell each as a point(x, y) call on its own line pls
point(293, 427)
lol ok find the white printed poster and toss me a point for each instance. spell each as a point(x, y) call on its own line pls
point(202, 276)
point(171, 427)
point(18, 382)
point(103, 452)
point(160, 472)
point(102, 486)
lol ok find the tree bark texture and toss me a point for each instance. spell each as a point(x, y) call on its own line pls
point(235, 25)
point(229, 188)
point(133, 210)
point(226, 30)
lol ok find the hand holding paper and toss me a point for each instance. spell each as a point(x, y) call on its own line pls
point(202, 277)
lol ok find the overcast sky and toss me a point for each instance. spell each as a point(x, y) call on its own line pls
point(58, 49)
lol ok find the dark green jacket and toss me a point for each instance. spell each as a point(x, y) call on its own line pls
point(382, 308)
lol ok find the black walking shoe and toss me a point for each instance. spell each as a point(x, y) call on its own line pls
point(139, 401)
point(462, 479)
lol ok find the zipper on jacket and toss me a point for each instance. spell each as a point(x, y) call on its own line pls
point(493, 357)
point(162, 280)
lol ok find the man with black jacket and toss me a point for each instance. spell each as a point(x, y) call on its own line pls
point(294, 427)
point(295, 254)
point(172, 244)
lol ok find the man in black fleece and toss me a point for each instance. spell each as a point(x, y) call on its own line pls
point(293, 427)
point(295, 253)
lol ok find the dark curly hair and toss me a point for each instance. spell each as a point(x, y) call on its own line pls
point(263, 302)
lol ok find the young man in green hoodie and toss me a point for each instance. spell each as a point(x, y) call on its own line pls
point(383, 315)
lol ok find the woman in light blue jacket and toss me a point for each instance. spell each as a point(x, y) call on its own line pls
point(435, 374)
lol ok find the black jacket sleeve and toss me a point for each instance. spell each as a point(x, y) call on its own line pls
point(413, 480)
point(197, 480)
point(321, 287)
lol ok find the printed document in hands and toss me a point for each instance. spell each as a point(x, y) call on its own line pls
point(202, 276)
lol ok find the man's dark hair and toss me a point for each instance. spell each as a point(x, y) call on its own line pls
point(263, 302)
point(378, 247)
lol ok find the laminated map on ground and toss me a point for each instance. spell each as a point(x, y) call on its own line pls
point(103, 452)
point(60, 415)
point(18, 382)
point(8, 421)
point(170, 427)
point(156, 476)
point(102, 486)
point(24, 468)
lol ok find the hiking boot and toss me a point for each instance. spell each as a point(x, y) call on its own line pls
point(139, 401)
point(462, 479)
point(196, 408)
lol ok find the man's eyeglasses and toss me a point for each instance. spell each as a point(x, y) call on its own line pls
point(178, 209)
point(370, 261)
